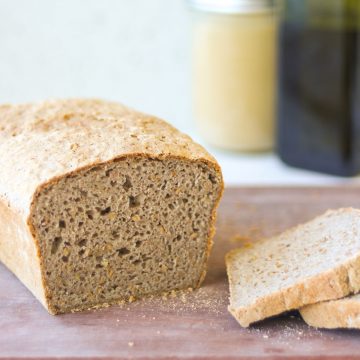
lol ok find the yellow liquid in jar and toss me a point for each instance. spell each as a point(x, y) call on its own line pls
point(235, 79)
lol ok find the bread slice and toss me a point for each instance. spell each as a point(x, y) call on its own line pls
point(99, 203)
point(341, 313)
point(313, 262)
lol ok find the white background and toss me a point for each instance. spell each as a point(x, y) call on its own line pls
point(134, 51)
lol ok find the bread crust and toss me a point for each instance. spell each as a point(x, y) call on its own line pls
point(336, 283)
point(59, 138)
point(342, 313)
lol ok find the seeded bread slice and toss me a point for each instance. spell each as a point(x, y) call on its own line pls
point(342, 313)
point(101, 204)
point(313, 262)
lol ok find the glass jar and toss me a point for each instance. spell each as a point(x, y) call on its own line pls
point(234, 72)
point(319, 93)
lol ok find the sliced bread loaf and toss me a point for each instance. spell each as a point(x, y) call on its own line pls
point(341, 313)
point(316, 261)
point(99, 203)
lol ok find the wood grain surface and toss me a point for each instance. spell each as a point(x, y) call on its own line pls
point(193, 325)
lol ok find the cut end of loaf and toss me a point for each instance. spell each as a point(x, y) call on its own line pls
point(125, 229)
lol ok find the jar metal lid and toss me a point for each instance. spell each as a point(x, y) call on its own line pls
point(232, 6)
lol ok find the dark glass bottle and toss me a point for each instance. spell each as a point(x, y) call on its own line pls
point(319, 93)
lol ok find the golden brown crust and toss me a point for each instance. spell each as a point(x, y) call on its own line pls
point(62, 137)
point(18, 253)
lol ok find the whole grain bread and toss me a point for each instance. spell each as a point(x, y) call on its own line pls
point(341, 313)
point(313, 262)
point(100, 203)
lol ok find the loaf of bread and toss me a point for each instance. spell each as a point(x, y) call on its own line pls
point(313, 262)
point(101, 204)
point(341, 313)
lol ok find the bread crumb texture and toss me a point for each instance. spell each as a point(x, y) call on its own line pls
point(316, 261)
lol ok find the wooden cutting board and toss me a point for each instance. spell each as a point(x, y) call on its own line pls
point(193, 325)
